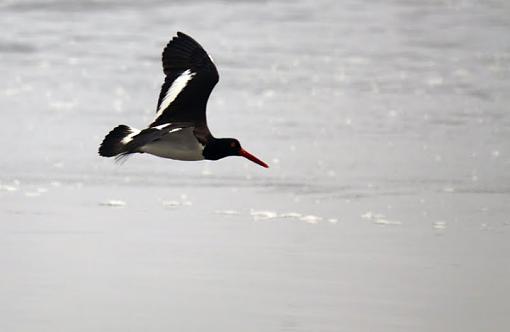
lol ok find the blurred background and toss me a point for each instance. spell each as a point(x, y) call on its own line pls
point(386, 205)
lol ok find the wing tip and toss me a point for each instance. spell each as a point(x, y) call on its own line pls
point(183, 52)
point(181, 35)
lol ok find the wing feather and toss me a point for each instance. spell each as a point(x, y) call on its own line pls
point(190, 77)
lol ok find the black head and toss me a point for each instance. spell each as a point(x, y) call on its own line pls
point(218, 148)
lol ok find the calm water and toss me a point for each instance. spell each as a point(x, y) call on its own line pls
point(386, 207)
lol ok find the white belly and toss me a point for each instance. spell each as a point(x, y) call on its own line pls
point(179, 145)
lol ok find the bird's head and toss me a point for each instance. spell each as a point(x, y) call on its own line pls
point(224, 147)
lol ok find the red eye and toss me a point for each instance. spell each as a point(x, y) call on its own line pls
point(232, 145)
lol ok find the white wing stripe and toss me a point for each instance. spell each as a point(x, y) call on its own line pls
point(161, 126)
point(129, 138)
point(177, 86)
point(164, 125)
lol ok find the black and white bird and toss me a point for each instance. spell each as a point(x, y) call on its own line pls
point(179, 130)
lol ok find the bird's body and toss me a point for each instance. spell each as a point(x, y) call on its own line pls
point(179, 145)
point(179, 130)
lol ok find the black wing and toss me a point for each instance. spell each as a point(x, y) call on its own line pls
point(190, 77)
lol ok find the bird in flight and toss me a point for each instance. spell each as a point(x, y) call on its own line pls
point(179, 130)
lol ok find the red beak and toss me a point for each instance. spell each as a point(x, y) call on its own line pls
point(251, 157)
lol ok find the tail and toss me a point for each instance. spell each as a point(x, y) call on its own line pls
point(115, 142)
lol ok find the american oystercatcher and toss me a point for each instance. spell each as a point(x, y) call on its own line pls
point(179, 130)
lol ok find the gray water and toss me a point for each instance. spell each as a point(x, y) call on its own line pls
point(386, 206)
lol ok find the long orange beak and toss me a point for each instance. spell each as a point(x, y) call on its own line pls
point(251, 157)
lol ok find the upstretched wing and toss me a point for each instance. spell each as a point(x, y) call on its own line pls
point(190, 77)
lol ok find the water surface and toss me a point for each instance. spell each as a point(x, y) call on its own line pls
point(386, 206)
